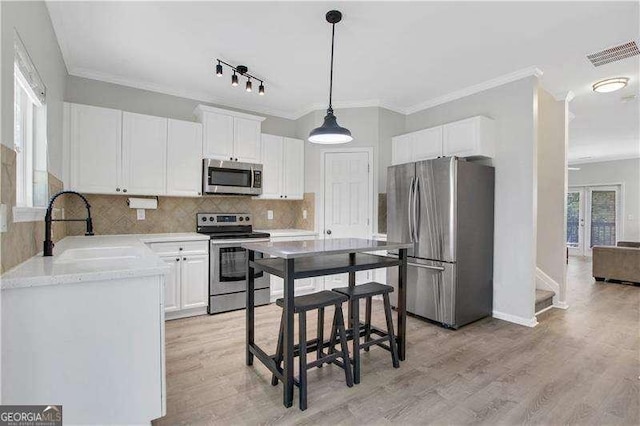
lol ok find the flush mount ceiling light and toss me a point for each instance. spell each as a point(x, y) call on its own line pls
point(330, 132)
point(610, 84)
point(242, 70)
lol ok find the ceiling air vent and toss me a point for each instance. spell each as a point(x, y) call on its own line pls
point(614, 54)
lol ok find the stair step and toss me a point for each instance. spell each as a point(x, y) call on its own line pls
point(544, 299)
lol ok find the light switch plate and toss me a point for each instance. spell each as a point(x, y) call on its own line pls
point(304, 213)
point(270, 214)
point(140, 214)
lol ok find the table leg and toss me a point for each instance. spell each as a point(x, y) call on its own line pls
point(352, 284)
point(402, 304)
point(288, 332)
point(250, 305)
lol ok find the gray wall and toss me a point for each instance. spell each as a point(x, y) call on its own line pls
point(626, 172)
point(390, 124)
point(31, 21)
point(551, 245)
point(512, 108)
point(108, 95)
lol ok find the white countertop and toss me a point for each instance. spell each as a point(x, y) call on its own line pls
point(308, 248)
point(111, 257)
point(291, 232)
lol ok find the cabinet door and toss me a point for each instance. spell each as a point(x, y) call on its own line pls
point(144, 154)
point(172, 284)
point(184, 158)
point(401, 149)
point(272, 169)
point(293, 176)
point(427, 144)
point(461, 138)
point(95, 138)
point(247, 140)
point(218, 136)
point(194, 281)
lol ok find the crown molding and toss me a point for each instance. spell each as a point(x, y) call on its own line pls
point(477, 88)
point(376, 103)
point(193, 95)
point(603, 159)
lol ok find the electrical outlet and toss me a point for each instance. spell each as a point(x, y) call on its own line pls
point(304, 213)
point(140, 214)
point(269, 214)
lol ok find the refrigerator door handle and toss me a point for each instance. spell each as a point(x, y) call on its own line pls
point(416, 210)
point(409, 209)
point(434, 268)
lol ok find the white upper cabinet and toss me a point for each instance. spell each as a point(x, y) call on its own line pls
point(246, 145)
point(427, 143)
point(218, 136)
point(402, 149)
point(184, 158)
point(230, 135)
point(94, 137)
point(144, 151)
point(293, 175)
point(472, 137)
point(283, 168)
point(272, 158)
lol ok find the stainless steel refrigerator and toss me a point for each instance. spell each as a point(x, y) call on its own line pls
point(445, 208)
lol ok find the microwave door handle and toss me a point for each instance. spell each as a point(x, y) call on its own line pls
point(252, 177)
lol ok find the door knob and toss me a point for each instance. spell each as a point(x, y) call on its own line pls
point(328, 231)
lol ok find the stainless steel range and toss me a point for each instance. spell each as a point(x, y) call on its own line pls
point(227, 260)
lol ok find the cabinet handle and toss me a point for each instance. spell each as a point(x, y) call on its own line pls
point(184, 258)
point(180, 249)
point(117, 189)
point(124, 190)
point(230, 158)
point(236, 159)
point(281, 196)
point(285, 196)
point(177, 259)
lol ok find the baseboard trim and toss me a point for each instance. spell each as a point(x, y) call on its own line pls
point(527, 322)
point(544, 309)
point(185, 313)
point(561, 305)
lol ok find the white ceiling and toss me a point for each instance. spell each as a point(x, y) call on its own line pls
point(399, 55)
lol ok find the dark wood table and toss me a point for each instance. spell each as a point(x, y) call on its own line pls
point(293, 260)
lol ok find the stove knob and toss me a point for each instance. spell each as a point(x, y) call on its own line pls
point(246, 218)
point(204, 219)
point(212, 219)
point(241, 219)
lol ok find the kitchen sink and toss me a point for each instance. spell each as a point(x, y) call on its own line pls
point(98, 254)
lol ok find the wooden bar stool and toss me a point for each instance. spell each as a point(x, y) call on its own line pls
point(302, 304)
point(367, 291)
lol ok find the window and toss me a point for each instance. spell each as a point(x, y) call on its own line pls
point(30, 138)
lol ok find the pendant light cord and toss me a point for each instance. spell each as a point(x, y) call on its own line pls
point(333, 35)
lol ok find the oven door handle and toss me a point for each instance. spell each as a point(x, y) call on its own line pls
point(252, 177)
point(222, 243)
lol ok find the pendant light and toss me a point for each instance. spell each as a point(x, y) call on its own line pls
point(330, 132)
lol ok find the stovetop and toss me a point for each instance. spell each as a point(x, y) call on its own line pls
point(220, 226)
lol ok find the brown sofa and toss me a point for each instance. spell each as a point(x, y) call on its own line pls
point(620, 263)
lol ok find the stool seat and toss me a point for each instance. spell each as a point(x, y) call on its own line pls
point(364, 290)
point(313, 301)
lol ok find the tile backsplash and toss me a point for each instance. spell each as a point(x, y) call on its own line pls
point(23, 239)
point(112, 215)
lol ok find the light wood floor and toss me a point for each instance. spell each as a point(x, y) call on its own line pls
point(579, 366)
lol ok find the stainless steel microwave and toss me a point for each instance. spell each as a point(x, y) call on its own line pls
point(231, 177)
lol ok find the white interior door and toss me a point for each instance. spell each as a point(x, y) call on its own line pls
point(575, 221)
point(347, 202)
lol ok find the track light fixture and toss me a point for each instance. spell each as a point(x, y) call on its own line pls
point(242, 70)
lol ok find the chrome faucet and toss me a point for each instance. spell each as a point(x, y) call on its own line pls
point(48, 243)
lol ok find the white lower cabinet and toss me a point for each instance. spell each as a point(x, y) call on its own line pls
point(302, 286)
point(186, 291)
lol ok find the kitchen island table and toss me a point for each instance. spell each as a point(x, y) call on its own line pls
point(293, 260)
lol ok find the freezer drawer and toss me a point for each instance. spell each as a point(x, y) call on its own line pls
point(430, 289)
point(235, 301)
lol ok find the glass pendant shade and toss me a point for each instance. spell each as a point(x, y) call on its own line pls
point(330, 132)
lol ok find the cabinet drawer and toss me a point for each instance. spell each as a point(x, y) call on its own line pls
point(184, 247)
